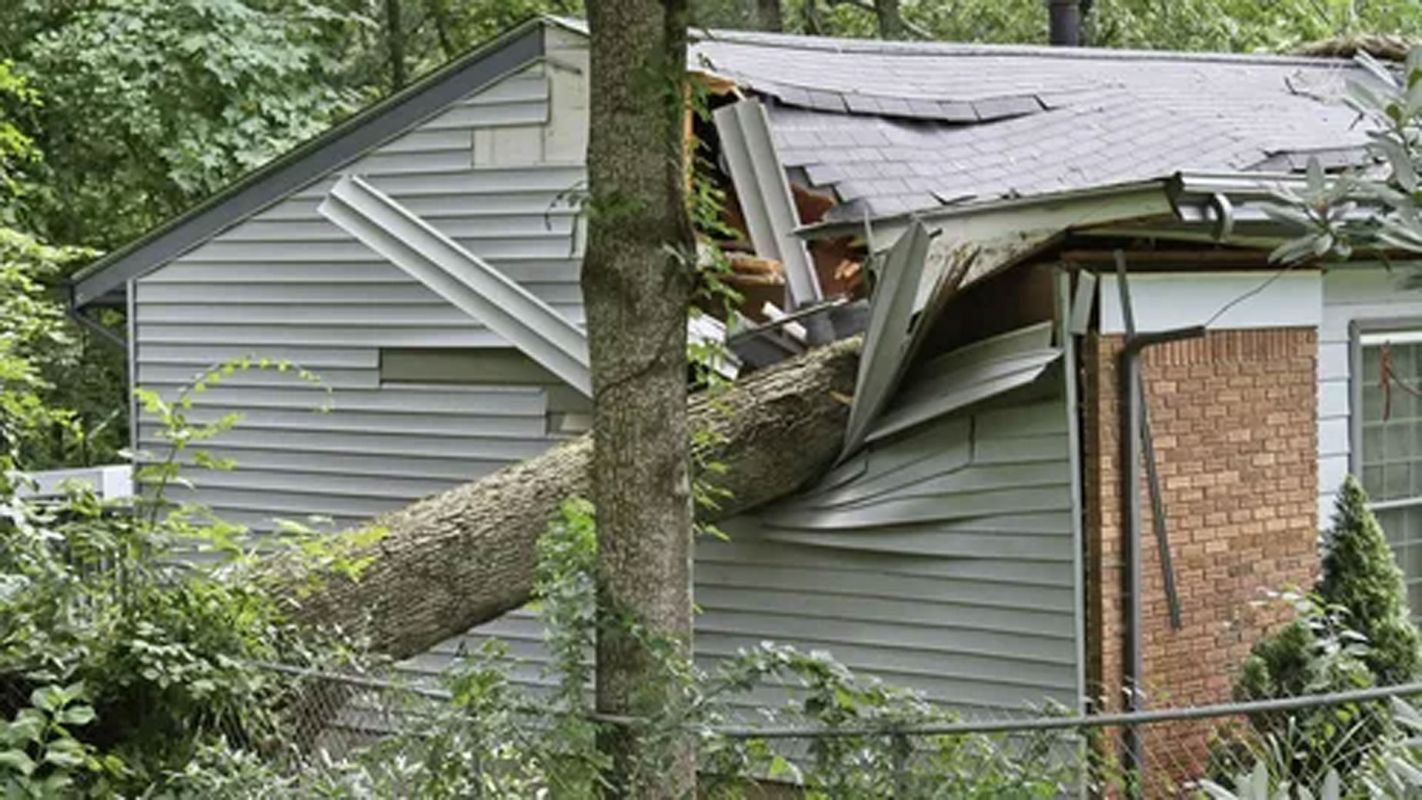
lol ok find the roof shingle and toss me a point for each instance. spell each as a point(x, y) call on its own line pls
point(890, 126)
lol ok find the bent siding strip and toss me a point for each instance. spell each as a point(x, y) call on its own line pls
point(461, 278)
point(939, 559)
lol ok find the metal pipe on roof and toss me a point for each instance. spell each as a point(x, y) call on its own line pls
point(1065, 16)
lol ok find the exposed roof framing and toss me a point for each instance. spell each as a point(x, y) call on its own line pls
point(461, 277)
point(764, 194)
point(344, 143)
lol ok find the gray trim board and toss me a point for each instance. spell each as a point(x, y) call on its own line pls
point(130, 322)
point(462, 278)
point(342, 144)
point(1069, 316)
point(759, 176)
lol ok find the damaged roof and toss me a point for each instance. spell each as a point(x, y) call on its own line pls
point(892, 127)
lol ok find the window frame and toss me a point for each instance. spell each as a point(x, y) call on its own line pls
point(1357, 329)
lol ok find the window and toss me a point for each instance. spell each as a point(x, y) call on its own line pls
point(1390, 437)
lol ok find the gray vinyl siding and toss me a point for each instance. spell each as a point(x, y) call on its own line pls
point(287, 284)
point(944, 564)
point(1351, 294)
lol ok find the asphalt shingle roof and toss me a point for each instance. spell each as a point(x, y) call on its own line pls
point(895, 127)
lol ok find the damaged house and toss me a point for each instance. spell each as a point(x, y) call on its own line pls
point(1016, 217)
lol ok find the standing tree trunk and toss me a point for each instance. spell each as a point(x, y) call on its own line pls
point(637, 281)
point(769, 16)
point(395, 44)
point(891, 20)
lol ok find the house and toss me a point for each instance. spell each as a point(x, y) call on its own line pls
point(1022, 210)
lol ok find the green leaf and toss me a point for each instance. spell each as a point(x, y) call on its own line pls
point(17, 761)
point(49, 698)
point(77, 715)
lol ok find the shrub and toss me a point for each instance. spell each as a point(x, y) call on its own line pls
point(1361, 575)
point(98, 608)
point(1351, 633)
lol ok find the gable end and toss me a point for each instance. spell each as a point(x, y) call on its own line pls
point(342, 144)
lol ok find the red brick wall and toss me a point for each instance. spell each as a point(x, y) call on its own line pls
point(1233, 417)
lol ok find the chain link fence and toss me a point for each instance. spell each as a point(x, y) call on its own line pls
point(1361, 743)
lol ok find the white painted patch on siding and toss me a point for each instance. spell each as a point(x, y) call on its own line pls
point(1162, 301)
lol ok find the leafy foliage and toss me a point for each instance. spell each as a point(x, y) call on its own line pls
point(97, 604)
point(1358, 210)
point(1221, 25)
point(1353, 632)
point(55, 392)
point(171, 99)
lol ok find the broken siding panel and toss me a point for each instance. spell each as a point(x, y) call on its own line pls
point(462, 278)
point(978, 612)
point(954, 560)
point(1351, 294)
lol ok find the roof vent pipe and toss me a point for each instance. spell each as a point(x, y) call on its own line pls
point(1065, 28)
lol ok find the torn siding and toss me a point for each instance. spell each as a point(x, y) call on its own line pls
point(939, 559)
point(461, 277)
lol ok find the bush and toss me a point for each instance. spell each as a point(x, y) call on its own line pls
point(1351, 633)
point(99, 610)
point(1361, 575)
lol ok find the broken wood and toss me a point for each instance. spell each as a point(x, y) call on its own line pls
point(465, 556)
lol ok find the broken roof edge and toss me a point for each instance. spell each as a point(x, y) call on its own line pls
point(344, 142)
point(1186, 193)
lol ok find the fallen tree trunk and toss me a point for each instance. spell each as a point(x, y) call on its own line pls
point(465, 556)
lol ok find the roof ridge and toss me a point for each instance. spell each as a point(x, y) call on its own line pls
point(785, 41)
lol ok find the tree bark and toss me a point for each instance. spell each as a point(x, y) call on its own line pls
point(891, 20)
point(395, 44)
point(769, 16)
point(637, 279)
point(465, 556)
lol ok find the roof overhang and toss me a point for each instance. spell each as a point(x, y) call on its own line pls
point(103, 282)
point(1215, 207)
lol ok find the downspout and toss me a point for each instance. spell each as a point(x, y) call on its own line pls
point(1131, 407)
